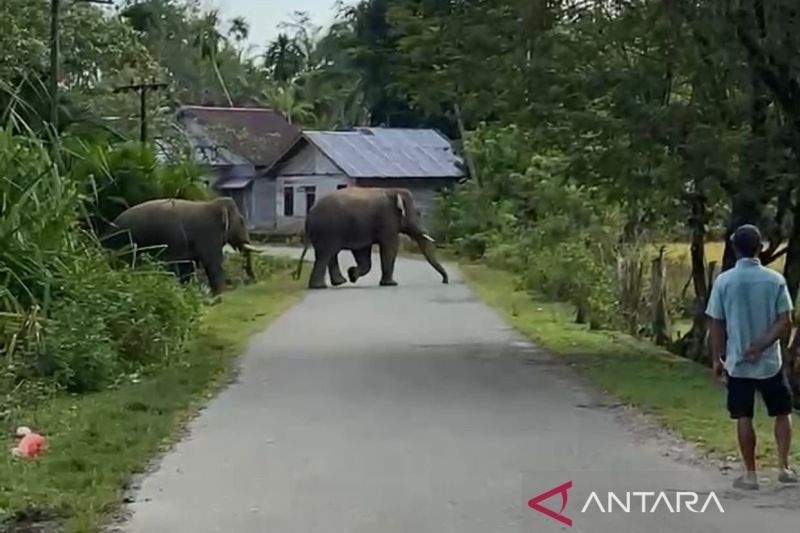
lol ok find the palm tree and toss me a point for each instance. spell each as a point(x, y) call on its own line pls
point(283, 58)
point(208, 40)
point(284, 98)
point(239, 32)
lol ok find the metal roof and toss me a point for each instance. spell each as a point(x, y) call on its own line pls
point(239, 182)
point(389, 152)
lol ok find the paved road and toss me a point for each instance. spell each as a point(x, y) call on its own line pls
point(416, 409)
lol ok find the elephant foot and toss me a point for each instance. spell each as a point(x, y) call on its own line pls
point(352, 274)
point(338, 281)
point(388, 283)
point(317, 286)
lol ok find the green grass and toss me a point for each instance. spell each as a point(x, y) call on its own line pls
point(98, 441)
point(680, 394)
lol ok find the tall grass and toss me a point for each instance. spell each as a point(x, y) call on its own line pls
point(68, 320)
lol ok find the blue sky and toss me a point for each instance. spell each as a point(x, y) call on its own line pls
point(265, 15)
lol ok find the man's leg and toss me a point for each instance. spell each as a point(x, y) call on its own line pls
point(783, 438)
point(741, 406)
point(747, 444)
point(777, 395)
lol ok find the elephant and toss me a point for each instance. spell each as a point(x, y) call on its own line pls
point(187, 231)
point(355, 218)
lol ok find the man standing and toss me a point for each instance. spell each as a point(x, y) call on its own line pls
point(750, 311)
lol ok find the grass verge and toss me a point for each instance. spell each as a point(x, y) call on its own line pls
point(98, 441)
point(680, 394)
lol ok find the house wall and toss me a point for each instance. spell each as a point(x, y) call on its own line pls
point(308, 168)
point(308, 162)
point(299, 186)
point(263, 203)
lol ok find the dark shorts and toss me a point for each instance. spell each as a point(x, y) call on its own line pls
point(775, 391)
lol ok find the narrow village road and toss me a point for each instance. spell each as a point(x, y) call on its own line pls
point(416, 409)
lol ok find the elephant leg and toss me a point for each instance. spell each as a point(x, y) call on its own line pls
point(388, 256)
point(335, 273)
point(212, 264)
point(321, 260)
point(186, 270)
point(363, 259)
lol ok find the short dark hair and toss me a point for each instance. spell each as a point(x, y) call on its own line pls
point(747, 240)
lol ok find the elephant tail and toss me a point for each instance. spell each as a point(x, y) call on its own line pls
point(299, 269)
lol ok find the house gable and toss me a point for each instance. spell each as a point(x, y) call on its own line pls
point(308, 160)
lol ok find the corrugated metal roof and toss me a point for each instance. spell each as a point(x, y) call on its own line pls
point(389, 152)
point(234, 183)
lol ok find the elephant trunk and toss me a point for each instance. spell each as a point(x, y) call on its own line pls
point(425, 243)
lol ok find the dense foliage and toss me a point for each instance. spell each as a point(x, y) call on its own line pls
point(68, 320)
point(595, 130)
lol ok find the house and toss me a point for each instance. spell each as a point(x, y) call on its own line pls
point(238, 145)
point(319, 162)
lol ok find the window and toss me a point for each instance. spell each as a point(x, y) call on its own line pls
point(311, 197)
point(341, 186)
point(288, 201)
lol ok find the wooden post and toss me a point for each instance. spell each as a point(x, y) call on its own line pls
point(142, 88)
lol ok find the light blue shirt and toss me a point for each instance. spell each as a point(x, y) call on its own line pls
point(749, 298)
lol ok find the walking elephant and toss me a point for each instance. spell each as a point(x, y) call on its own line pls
point(354, 219)
point(187, 232)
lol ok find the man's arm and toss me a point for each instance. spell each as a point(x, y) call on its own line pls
point(719, 341)
point(779, 328)
point(717, 328)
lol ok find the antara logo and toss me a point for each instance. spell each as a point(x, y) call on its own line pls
point(647, 502)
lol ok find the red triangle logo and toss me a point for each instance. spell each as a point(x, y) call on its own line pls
point(534, 503)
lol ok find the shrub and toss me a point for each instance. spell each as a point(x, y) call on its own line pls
point(528, 217)
point(68, 320)
point(115, 177)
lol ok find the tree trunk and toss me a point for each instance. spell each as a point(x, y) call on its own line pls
point(662, 334)
point(693, 344)
point(473, 172)
point(221, 81)
point(791, 269)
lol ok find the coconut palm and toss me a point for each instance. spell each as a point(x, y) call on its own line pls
point(283, 58)
point(208, 40)
point(286, 100)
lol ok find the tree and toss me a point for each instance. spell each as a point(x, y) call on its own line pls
point(209, 40)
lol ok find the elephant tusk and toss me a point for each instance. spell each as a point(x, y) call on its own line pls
point(428, 238)
point(250, 248)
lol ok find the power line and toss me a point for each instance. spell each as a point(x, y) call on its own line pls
point(142, 89)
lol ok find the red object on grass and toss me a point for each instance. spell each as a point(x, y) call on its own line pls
point(31, 446)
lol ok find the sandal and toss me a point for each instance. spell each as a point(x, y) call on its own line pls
point(787, 475)
point(745, 483)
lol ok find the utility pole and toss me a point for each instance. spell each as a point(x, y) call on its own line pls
point(142, 88)
point(55, 16)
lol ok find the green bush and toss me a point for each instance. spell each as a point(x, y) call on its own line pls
point(527, 216)
point(115, 177)
point(68, 320)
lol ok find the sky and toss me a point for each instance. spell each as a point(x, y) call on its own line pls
point(265, 15)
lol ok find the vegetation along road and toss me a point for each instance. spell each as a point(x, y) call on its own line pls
point(416, 408)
